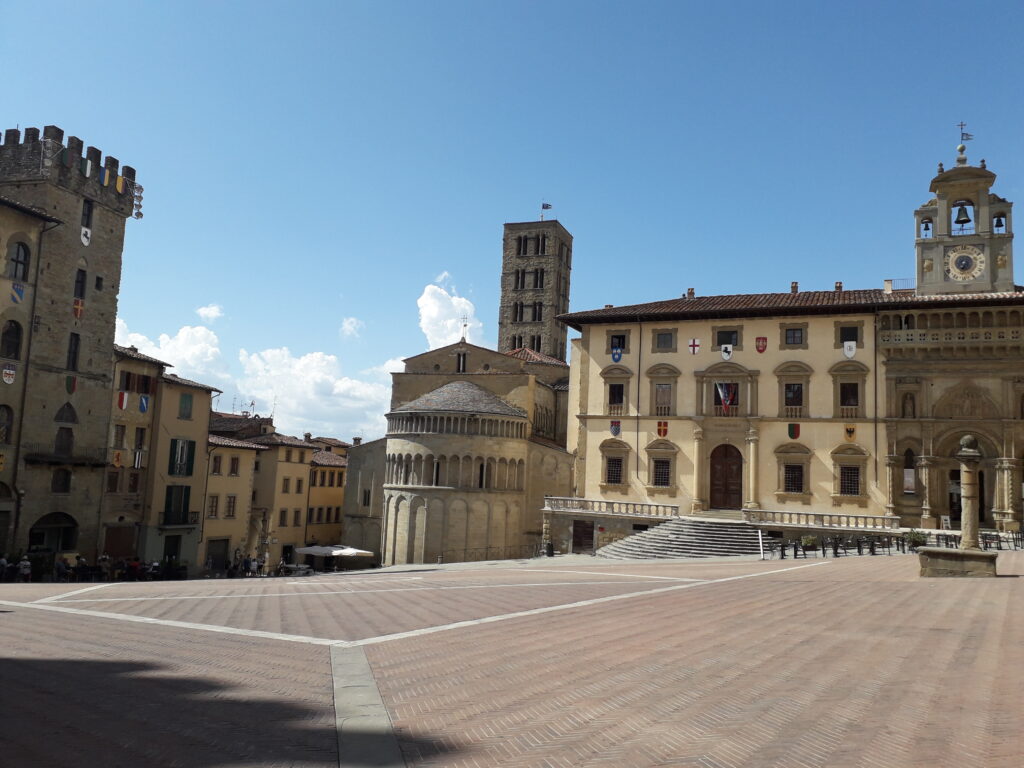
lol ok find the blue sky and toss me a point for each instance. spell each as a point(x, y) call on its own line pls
point(332, 177)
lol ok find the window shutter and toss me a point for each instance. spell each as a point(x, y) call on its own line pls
point(172, 458)
point(186, 492)
point(190, 462)
point(168, 498)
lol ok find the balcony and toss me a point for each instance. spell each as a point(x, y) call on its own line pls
point(727, 410)
point(951, 337)
point(615, 410)
point(663, 410)
point(602, 507)
point(849, 411)
point(178, 517)
point(821, 520)
point(793, 411)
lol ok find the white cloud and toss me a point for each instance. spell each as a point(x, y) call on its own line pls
point(351, 326)
point(194, 351)
point(383, 371)
point(210, 312)
point(443, 278)
point(310, 393)
point(442, 313)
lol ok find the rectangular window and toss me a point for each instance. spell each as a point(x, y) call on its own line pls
point(319, 514)
point(229, 510)
point(538, 311)
point(80, 284)
point(538, 278)
point(794, 336)
point(323, 477)
point(256, 466)
point(849, 333)
point(288, 454)
point(663, 399)
point(542, 244)
point(617, 341)
point(727, 394)
point(119, 430)
point(215, 465)
point(99, 283)
point(664, 340)
point(133, 482)
point(849, 394)
point(211, 506)
point(793, 394)
point(298, 485)
point(302, 457)
point(283, 521)
point(297, 517)
point(793, 478)
point(616, 394)
point(233, 471)
point(460, 362)
point(613, 471)
point(849, 481)
point(140, 438)
point(286, 485)
point(309, 515)
point(727, 337)
point(185, 405)
point(909, 481)
point(662, 473)
point(74, 342)
point(176, 504)
point(330, 479)
point(366, 497)
point(87, 214)
point(182, 458)
point(113, 481)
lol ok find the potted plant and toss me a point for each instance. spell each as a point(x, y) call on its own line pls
point(915, 539)
point(809, 542)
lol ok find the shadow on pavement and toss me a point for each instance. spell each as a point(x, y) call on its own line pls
point(115, 713)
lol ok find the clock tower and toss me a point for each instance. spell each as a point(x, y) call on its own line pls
point(964, 240)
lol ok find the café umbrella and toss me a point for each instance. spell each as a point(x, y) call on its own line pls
point(339, 550)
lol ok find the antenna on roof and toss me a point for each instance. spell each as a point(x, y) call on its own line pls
point(234, 398)
point(273, 408)
point(465, 325)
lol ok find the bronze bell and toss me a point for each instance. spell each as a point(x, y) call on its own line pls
point(961, 216)
point(999, 222)
point(926, 225)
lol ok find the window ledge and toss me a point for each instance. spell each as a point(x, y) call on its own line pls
point(663, 490)
point(803, 498)
point(609, 488)
point(839, 499)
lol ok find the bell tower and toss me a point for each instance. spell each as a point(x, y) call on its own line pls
point(964, 234)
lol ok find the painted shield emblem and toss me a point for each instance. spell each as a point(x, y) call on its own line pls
point(616, 354)
point(122, 400)
point(143, 403)
point(616, 428)
point(727, 351)
point(71, 384)
point(850, 430)
point(794, 431)
point(78, 307)
point(17, 292)
point(694, 346)
point(116, 461)
point(8, 373)
point(761, 343)
point(850, 349)
point(86, 235)
point(662, 428)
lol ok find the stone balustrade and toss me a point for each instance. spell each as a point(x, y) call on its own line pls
point(603, 507)
point(822, 520)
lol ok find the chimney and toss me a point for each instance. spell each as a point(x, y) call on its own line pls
point(690, 293)
point(794, 287)
point(308, 437)
point(357, 441)
point(887, 286)
point(839, 285)
point(608, 306)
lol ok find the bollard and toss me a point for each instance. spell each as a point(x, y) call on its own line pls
point(550, 549)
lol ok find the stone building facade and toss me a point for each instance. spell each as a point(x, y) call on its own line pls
point(843, 402)
point(536, 263)
point(230, 529)
point(67, 300)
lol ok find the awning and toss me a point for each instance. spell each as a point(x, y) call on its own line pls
point(338, 550)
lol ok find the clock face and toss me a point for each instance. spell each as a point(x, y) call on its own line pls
point(964, 263)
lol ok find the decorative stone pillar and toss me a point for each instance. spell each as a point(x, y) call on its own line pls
point(752, 495)
point(1005, 514)
point(924, 469)
point(1013, 512)
point(891, 462)
point(698, 470)
point(969, 457)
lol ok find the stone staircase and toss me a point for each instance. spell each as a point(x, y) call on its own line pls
point(686, 537)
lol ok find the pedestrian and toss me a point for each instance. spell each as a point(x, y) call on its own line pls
point(246, 565)
point(25, 569)
point(60, 570)
point(105, 566)
point(3, 567)
point(259, 565)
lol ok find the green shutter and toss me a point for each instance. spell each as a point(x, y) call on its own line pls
point(170, 460)
point(191, 458)
point(186, 493)
point(168, 499)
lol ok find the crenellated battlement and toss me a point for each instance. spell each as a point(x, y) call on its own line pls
point(88, 173)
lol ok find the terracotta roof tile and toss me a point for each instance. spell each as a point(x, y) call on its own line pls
point(276, 438)
point(802, 303)
point(133, 354)
point(29, 209)
point(171, 378)
point(461, 397)
point(227, 442)
point(328, 459)
point(530, 356)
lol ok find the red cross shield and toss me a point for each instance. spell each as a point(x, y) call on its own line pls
point(662, 428)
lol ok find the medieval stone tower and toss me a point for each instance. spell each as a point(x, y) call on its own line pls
point(535, 266)
point(59, 298)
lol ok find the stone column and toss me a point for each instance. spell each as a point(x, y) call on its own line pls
point(1013, 512)
point(698, 470)
point(891, 462)
point(752, 443)
point(969, 457)
point(1005, 513)
point(924, 468)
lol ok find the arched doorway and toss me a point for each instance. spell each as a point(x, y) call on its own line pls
point(726, 478)
point(52, 533)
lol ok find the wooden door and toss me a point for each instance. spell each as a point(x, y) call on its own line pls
point(583, 537)
point(726, 478)
point(119, 542)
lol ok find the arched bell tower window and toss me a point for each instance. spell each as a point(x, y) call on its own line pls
point(999, 223)
point(925, 228)
point(962, 217)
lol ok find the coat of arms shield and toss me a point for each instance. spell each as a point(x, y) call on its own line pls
point(761, 343)
point(850, 349)
point(727, 351)
point(615, 428)
point(662, 428)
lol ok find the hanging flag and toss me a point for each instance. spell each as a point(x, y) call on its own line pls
point(143, 403)
point(761, 343)
point(616, 428)
point(137, 462)
point(78, 307)
point(662, 428)
point(794, 431)
point(71, 384)
point(122, 400)
point(85, 167)
point(616, 354)
point(119, 184)
point(726, 394)
point(9, 372)
point(727, 351)
point(850, 349)
point(117, 459)
point(545, 206)
point(86, 235)
point(694, 346)
point(851, 432)
point(17, 292)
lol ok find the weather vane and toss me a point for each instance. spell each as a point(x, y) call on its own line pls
point(544, 207)
point(465, 325)
point(964, 136)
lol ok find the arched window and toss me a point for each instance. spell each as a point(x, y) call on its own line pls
point(909, 475)
point(10, 341)
point(64, 445)
point(962, 217)
point(6, 424)
point(17, 261)
point(794, 471)
point(613, 460)
point(67, 414)
point(999, 223)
